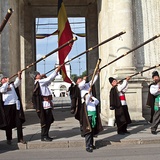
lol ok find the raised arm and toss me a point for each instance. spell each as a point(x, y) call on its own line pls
point(50, 78)
point(82, 83)
point(154, 90)
point(95, 79)
point(17, 81)
point(4, 87)
point(123, 87)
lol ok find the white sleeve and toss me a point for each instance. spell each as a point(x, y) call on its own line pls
point(96, 101)
point(48, 80)
point(17, 82)
point(123, 86)
point(95, 79)
point(81, 84)
point(87, 98)
point(4, 87)
point(154, 90)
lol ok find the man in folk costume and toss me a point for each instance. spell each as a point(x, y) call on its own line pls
point(76, 94)
point(118, 102)
point(84, 86)
point(155, 91)
point(91, 112)
point(151, 97)
point(42, 101)
point(11, 110)
point(90, 121)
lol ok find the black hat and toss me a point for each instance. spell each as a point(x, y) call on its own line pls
point(155, 73)
point(34, 74)
point(4, 76)
point(111, 79)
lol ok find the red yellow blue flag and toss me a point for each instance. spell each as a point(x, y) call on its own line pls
point(64, 35)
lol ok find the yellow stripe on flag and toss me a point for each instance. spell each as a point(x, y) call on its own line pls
point(64, 35)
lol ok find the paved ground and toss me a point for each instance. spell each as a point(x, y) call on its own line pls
point(66, 133)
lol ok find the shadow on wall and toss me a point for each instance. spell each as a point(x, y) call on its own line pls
point(146, 110)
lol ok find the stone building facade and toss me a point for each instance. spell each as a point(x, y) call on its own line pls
point(58, 87)
point(104, 18)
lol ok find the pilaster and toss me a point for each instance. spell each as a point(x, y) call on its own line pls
point(123, 18)
point(28, 56)
point(92, 40)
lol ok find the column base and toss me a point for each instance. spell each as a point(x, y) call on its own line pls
point(111, 122)
point(122, 72)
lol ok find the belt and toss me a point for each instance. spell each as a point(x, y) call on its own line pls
point(47, 98)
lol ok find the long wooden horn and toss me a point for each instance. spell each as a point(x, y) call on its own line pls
point(151, 39)
point(5, 20)
point(57, 49)
point(140, 72)
point(90, 49)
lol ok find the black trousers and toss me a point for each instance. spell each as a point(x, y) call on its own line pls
point(12, 118)
point(89, 137)
point(122, 118)
point(155, 121)
point(45, 129)
point(123, 128)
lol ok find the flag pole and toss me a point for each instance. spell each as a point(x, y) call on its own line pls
point(5, 20)
point(90, 49)
point(144, 43)
point(57, 49)
point(140, 72)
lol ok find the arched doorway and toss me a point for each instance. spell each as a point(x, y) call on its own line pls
point(63, 91)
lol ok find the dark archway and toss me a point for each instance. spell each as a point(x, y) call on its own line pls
point(31, 9)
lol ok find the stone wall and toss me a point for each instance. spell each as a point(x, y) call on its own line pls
point(10, 47)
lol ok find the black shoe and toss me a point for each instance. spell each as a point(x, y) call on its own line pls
point(22, 141)
point(9, 142)
point(89, 150)
point(121, 133)
point(46, 139)
point(93, 147)
point(126, 132)
point(154, 132)
point(50, 138)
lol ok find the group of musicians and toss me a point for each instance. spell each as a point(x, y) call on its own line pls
point(12, 115)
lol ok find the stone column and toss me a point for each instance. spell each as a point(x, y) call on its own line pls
point(123, 19)
point(5, 65)
point(10, 48)
point(27, 51)
point(14, 45)
point(147, 24)
point(150, 26)
point(114, 17)
point(92, 40)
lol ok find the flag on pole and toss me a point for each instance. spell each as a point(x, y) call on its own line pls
point(64, 35)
